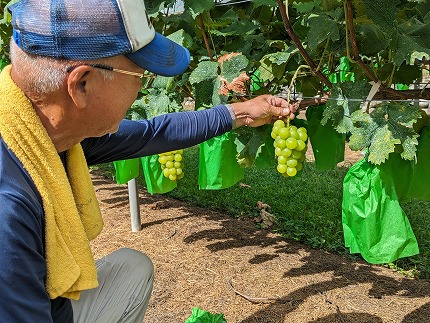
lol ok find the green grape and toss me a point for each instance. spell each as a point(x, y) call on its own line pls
point(172, 164)
point(296, 154)
point(282, 160)
point(280, 143)
point(279, 123)
point(294, 134)
point(284, 133)
point(172, 171)
point(162, 160)
point(291, 171)
point(300, 145)
point(290, 147)
point(291, 143)
point(286, 152)
point(282, 168)
point(303, 136)
point(291, 162)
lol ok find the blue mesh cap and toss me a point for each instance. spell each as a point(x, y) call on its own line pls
point(93, 29)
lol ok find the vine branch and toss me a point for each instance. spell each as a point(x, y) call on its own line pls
point(300, 47)
point(356, 56)
point(205, 37)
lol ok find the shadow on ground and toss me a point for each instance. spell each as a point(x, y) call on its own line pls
point(240, 233)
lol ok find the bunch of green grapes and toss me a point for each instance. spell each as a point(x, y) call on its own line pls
point(290, 147)
point(172, 164)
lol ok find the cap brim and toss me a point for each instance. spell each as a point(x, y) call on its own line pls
point(162, 56)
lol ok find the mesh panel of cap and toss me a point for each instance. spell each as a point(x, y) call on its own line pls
point(67, 28)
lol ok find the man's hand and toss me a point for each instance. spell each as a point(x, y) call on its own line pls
point(261, 110)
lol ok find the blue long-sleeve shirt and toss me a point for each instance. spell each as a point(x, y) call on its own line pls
point(23, 297)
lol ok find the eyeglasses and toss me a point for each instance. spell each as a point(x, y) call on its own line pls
point(110, 68)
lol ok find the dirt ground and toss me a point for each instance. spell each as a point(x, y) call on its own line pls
point(226, 265)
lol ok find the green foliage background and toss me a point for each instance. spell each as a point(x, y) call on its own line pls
point(391, 38)
point(392, 45)
point(5, 34)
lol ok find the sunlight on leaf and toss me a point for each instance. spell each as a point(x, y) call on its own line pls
point(410, 148)
point(383, 143)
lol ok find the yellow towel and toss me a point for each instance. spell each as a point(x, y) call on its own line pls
point(72, 213)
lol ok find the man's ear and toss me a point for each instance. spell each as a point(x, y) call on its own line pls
point(77, 85)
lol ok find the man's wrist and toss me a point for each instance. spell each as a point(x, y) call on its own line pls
point(232, 114)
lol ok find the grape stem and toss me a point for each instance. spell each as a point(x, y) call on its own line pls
point(293, 80)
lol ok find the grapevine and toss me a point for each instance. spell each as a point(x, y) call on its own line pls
point(290, 147)
point(172, 164)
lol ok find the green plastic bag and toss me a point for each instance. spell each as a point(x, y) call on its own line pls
point(418, 187)
point(328, 145)
point(400, 171)
point(345, 74)
point(256, 81)
point(374, 224)
point(218, 166)
point(200, 316)
point(156, 182)
point(126, 170)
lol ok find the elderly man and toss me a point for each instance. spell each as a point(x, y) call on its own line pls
point(76, 69)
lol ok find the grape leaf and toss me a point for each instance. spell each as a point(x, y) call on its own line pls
point(401, 118)
point(335, 108)
point(273, 65)
point(412, 37)
point(197, 7)
point(163, 82)
point(233, 66)
point(383, 143)
point(363, 130)
point(370, 38)
point(387, 125)
point(204, 92)
point(407, 74)
point(155, 6)
point(322, 27)
point(304, 7)
point(206, 70)
point(203, 80)
point(329, 5)
point(410, 148)
point(269, 71)
point(347, 98)
point(255, 143)
point(356, 91)
point(182, 38)
point(244, 137)
point(159, 103)
point(279, 58)
point(402, 113)
point(238, 27)
point(382, 12)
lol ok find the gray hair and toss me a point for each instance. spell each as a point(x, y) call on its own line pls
point(45, 75)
